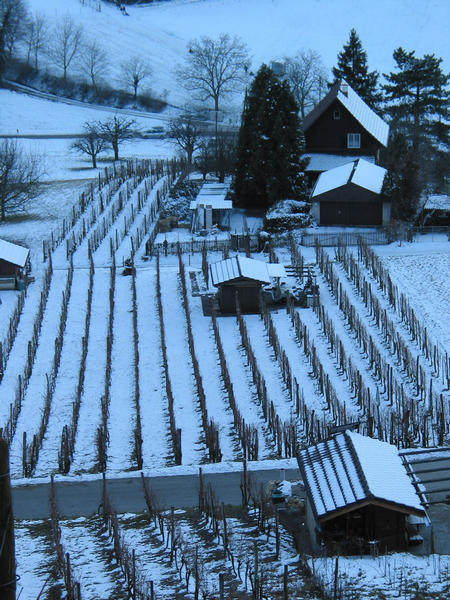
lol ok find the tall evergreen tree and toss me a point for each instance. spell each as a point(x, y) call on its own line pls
point(270, 145)
point(417, 95)
point(401, 183)
point(352, 66)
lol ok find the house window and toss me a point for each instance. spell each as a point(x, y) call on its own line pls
point(353, 140)
point(336, 115)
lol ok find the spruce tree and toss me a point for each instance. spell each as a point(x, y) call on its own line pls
point(352, 66)
point(401, 183)
point(270, 145)
point(417, 95)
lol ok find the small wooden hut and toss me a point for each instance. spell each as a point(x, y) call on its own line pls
point(211, 207)
point(13, 260)
point(358, 495)
point(242, 277)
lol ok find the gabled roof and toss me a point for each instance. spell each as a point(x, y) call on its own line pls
point(243, 267)
point(347, 96)
point(13, 253)
point(359, 172)
point(438, 202)
point(350, 470)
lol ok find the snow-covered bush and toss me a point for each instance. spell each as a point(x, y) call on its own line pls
point(179, 199)
point(287, 215)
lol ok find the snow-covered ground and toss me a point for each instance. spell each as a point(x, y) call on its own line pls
point(160, 32)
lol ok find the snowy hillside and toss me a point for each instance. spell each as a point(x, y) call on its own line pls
point(271, 28)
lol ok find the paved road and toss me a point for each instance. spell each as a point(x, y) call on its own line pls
point(83, 497)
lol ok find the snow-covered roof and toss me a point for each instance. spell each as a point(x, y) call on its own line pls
point(347, 96)
point(360, 172)
point(438, 202)
point(212, 194)
point(324, 162)
point(13, 253)
point(351, 468)
point(241, 266)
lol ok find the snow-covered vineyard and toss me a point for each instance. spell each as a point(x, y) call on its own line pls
point(109, 364)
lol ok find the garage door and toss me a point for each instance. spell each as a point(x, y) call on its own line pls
point(351, 213)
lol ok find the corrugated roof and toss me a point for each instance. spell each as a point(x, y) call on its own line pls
point(214, 194)
point(350, 468)
point(241, 266)
point(13, 253)
point(347, 96)
point(359, 172)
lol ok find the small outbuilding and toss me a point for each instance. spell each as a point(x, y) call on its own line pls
point(211, 207)
point(13, 260)
point(436, 210)
point(242, 277)
point(358, 495)
point(351, 194)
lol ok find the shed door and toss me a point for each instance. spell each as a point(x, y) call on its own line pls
point(351, 213)
point(248, 298)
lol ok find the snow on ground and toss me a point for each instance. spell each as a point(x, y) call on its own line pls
point(161, 31)
point(421, 270)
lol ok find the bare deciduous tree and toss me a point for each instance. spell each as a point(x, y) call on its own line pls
point(214, 68)
point(94, 63)
point(20, 176)
point(185, 131)
point(116, 130)
point(36, 37)
point(134, 71)
point(67, 43)
point(307, 79)
point(90, 143)
point(13, 15)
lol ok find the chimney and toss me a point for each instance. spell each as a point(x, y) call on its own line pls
point(344, 88)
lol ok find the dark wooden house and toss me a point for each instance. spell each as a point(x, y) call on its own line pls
point(351, 195)
point(358, 495)
point(13, 260)
point(243, 278)
point(342, 125)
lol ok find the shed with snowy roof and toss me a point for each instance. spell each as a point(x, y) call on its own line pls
point(242, 277)
point(211, 207)
point(13, 260)
point(351, 194)
point(342, 124)
point(359, 495)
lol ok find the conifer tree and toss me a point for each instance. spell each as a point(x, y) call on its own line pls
point(417, 95)
point(352, 66)
point(270, 145)
point(401, 183)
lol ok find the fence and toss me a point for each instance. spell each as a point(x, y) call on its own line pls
point(348, 238)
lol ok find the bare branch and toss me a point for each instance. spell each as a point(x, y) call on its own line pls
point(134, 71)
point(67, 43)
point(91, 143)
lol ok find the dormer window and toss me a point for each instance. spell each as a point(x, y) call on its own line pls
point(353, 140)
point(336, 115)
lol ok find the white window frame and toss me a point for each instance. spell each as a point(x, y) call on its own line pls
point(353, 140)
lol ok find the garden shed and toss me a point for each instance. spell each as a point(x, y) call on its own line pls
point(351, 194)
point(210, 207)
point(358, 495)
point(13, 260)
point(243, 277)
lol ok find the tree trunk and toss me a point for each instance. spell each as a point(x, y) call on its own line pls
point(115, 145)
point(94, 161)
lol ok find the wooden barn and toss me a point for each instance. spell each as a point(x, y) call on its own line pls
point(342, 125)
point(358, 495)
point(242, 277)
point(13, 260)
point(351, 195)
